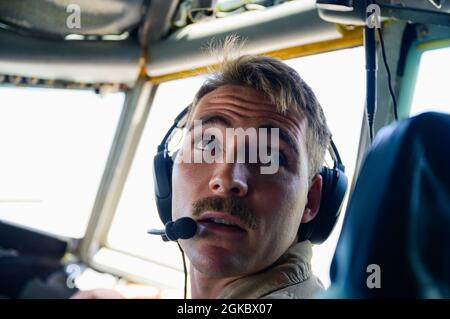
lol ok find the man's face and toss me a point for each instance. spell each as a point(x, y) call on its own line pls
point(266, 209)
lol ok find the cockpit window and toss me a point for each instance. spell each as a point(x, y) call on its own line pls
point(54, 145)
point(432, 90)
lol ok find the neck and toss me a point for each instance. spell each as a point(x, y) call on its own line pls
point(205, 287)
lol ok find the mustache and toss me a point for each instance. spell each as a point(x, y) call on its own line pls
point(230, 205)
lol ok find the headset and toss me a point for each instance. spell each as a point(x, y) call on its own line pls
point(317, 231)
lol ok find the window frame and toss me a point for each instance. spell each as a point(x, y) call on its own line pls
point(137, 105)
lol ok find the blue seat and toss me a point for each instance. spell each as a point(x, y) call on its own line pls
point(397, 224)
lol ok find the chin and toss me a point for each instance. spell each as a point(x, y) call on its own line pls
point(216, 262)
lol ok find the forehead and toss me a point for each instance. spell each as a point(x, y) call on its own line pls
point(246, 107)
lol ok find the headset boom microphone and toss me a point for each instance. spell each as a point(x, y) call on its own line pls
point(183, 228)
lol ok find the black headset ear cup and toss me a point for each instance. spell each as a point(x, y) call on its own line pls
point(162, 178)
point(334, 185)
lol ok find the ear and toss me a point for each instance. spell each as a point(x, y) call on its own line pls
point(314, 195)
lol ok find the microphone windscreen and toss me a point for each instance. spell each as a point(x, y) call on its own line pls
point(184, 228)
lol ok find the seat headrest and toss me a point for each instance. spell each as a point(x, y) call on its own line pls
point(398, 217)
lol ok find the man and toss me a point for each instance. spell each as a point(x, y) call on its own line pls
point(247, 244)
point(258, 257)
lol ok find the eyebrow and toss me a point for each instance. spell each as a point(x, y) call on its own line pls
point(213, 119)
point(284, 136)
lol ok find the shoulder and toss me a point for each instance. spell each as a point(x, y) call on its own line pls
point(306, 289)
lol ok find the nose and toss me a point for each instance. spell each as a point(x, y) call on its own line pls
point(229, 179)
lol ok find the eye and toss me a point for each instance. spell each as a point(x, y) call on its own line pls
point(280, 157)
point(275, 156)
point(283, 159)
point(208, 143)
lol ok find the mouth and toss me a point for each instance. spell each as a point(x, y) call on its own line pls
point(221, 222)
